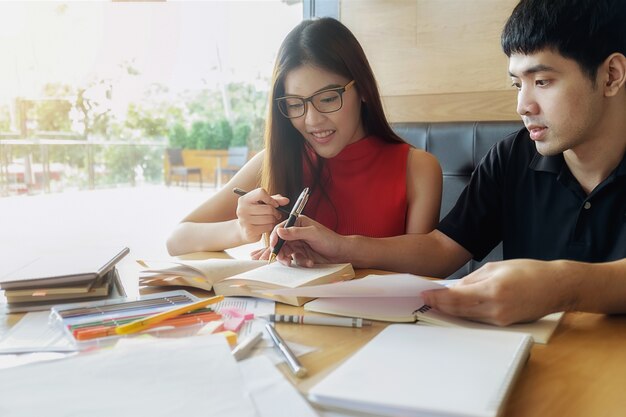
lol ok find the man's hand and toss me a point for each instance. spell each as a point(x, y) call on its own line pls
point(507, 292)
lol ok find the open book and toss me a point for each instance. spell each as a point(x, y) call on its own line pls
point(426, 371)
point(236, 277)
point(396, 298)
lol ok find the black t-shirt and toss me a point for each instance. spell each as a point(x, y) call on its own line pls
point(535, 206)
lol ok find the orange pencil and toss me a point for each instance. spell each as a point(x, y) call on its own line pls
point(104, 331)
point(151, 321)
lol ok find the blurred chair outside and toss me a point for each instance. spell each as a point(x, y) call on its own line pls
point(177, 168)
point(236, 158)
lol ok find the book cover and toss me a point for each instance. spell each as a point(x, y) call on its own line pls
point(64, 269)
point(113, 290)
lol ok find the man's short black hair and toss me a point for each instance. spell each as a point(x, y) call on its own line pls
point(587, 31)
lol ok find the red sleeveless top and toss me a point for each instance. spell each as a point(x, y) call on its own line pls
point(365, 189)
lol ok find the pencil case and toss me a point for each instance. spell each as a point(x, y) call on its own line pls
point(78, 319)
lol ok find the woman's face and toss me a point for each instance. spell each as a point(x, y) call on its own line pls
point(327, 133)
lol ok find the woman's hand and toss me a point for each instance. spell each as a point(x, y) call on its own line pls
point(257, 213)
point(307, 243)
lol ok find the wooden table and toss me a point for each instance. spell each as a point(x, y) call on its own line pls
point(581, 372)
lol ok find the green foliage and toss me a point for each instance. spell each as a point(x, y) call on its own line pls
point(192, 120)
point(152, 164)
point(212, 129)
point(53, 115)
point(205, 135)
point(200, 136)
point(121, 162)
point(241, 132)
point(148, 122)
point(178, 137)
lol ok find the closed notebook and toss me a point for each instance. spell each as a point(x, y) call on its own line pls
point(110, 289)
point(64, 269)
point(411, 371)
point(233, 277)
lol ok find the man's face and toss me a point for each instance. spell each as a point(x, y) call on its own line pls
point(558, 103)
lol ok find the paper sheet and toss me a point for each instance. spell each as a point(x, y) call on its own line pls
point(186, 376)
point(19, 359)
point(392, 285)
point(271, 392)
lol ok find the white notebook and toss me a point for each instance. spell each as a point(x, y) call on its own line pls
point(409, 370)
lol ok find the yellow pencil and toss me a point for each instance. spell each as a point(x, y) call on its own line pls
point(146, 322)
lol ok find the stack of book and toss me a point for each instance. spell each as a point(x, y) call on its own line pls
point(64, 278)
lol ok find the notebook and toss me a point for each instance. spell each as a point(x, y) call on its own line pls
point(113, 289)
point(422, 371)
point(396, 298)
point(64, 269)
point(413, 309)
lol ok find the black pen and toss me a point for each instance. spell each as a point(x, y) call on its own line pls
point(295, 212)
point(241, 192)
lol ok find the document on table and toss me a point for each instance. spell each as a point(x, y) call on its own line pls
point(159, 377)
point(260, 307)
point(271, 393)
point(188, 376)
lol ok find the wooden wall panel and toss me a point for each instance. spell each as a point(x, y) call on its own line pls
point(436, 60)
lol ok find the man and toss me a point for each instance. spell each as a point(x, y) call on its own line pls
point(554, 193)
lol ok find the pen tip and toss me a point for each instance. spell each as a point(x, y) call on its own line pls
point(272, 258)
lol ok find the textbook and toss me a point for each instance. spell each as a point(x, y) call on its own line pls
point(87, 273)
point(427, 371)
point(64, 269)
point(95, 289)
point(111, 288)
point(236, 277)
point(396, 298)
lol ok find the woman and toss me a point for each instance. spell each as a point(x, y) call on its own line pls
point(326, 130)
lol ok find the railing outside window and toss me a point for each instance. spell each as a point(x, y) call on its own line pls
point(30, 166)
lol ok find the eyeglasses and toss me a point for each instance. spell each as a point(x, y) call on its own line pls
point(326, 101)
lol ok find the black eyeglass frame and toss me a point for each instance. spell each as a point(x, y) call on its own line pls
point(340, 90)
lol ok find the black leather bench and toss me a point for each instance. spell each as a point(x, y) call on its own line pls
point(458, 146)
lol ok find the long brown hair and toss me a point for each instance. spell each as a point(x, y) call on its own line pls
point(328, 44)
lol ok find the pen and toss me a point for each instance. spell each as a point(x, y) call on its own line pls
point(295, 212)
point(241, 192)
point(292, 361)
point(322, 321)
point(144, 323)
point(243, 349)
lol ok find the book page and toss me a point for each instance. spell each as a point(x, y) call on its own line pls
point(392, 285)
point(213, 270)
point(396, 309)
point(279, 275)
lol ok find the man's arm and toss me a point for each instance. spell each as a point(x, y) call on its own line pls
point(520, 290)
point(431, 254)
